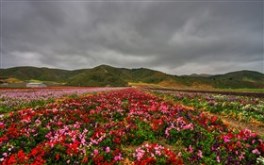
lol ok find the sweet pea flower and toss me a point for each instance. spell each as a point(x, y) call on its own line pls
point(218, 159)
point(95, 151)
point(190, 148)
point(256, 151)
point(189, 126)
point(139, 153)
point(118, 157)
point(200, 154)
point(107, 149)
point(226, 138)
point(38, 122)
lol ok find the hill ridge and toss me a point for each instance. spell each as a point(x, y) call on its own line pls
point(106, 75)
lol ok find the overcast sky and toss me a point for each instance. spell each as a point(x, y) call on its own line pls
point(173, 37)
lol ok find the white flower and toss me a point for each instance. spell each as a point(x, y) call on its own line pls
point(260, 160)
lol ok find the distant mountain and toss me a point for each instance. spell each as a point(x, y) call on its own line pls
point(27, 73)
point(102, 75)
point(200, 75)
point(105, 75)
point(239, 79)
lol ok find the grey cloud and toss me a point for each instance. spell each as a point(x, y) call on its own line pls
point(174, 37)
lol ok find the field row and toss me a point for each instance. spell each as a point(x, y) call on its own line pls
point(122, 127)
point(13, 99)
point(242, 108)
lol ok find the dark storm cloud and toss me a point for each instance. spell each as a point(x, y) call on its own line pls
point(175, 37)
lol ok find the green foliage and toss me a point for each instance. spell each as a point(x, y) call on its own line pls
point(118, 116)
point(41, 134)
point(27, 143)
point(143, 133)
point(5, 108)
point(108, 142)
point(186, 136)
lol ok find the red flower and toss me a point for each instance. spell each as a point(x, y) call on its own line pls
point(214, 119)
point(2, 139)
point(117, 140)
point(21, 156)
point(11, 160)
point(38, 161)
point(147, 161)
point(13, 131)
point(73, 148)
point(34, 152)
point(57, 156)
point(156, 124)
point(261, 146)
point(98, 159)
point(85, 159)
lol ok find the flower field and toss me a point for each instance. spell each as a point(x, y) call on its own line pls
point(125, 126)
point(243, 108)
point(12, 99)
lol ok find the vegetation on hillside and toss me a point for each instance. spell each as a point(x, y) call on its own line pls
point(105, 75)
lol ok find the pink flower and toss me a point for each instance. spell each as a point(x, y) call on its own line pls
point(167, 131)
point(118, 157)
point(107, 150)
point(179, 154)
point(95, 151)
point(256, 151)
point(164, 108)
point(157, 152)
point(241, 156)
point(218, 159)
point(38, 122)
point(226, 138)
point(139, 153)
point(200, 154)
point(189, 126)
point(2, 125)
point(190, 149)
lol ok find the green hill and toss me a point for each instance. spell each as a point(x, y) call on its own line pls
point(149, 76)
point(99, 76)
point(105, 75)
point(44, 74)
point(240, 79)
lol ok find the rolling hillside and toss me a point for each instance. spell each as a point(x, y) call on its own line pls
point(105, 75)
